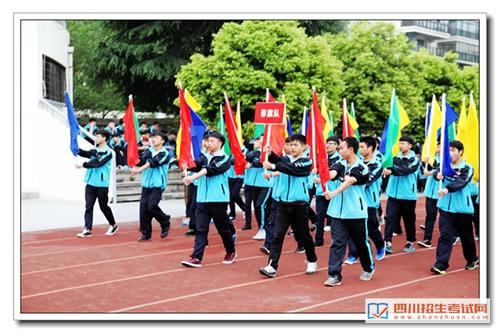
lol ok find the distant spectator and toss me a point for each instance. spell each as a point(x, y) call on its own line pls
point(92, 128)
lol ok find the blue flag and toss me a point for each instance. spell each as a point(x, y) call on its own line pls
point(449, 117)
point(427, 119)
point(197, 128)
point(74, 128)
point(383, 138)
point(305, 123)
point(289, 126)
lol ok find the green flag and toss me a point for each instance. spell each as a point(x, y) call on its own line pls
point(222, 130)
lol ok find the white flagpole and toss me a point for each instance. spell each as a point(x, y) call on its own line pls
point(441, 146)
point(268, 134)
point(313, 128)
point(344, 116)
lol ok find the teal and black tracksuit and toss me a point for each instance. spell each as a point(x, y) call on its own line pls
point(212, 198)
point(258, 190)
point(349, 212)
point(402, 193)
point(93, 132)
point(431, 198)
point(322, 203)
point(120, 149)
point(97, 178)
point(372, 195)
point(235, 184)
point(154, 182)
point(474, 193)
point(455, 212)
point(293, 204)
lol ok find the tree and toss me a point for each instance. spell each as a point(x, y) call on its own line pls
point(142, 57)
point(254, 55)
point(89, 93)
point(376, 59)
point(320, 27)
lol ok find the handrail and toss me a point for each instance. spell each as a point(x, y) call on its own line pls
point(58, 113)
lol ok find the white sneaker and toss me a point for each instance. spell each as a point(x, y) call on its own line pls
point(185, 221)
point(366, 276)
point(327, 228)
point(312, 267)
point(268, 271)
point(260, 235)
point(85, 233)
point(112, 230)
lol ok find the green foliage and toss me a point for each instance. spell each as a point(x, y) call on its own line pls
point(254, 55)
point(89, 93)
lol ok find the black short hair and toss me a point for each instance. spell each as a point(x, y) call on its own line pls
point(104, 133)
point(156, 123)
point(145, 132)
point(352, 142)
point(164, 136)
point(116, 134)
point(457, 144)
point(143, 123)
point(205, 137)
point(218, 136)
point(287, 140)
point(92, 120)
point(333, 138)
point(407, 138)
point(369, 141)
point(298, 137)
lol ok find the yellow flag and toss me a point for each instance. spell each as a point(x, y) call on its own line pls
point(471, 149)
point(239, 129)
point(430, 144)
point(324, 113)
point(178, 142)
point(462, 123)
point(403, 122)
point(193, 104)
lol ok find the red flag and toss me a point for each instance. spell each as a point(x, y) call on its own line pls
point(130, 135)
point(316, 141)
point(185, 153)
point(232, 135)
point(273, 135)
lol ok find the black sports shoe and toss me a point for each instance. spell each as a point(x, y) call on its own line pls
point(472, 265)
point(164, 231)
point(300, 249)
point(190, 232)
point(437, 270)
point(144, 239)
point(425, 243)
point(264, 250)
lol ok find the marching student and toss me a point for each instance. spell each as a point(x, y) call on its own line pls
point(349, 213)
point(367, 146)
point(455, 210)
point(293, 203)
point(153, 164)
point(431, 198)
point(97, 178)
point(321, 202)
point(212, 199)
point(191, 193)
point(261, 191)
point(402, 194)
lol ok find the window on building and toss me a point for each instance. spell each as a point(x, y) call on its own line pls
point(54, 79)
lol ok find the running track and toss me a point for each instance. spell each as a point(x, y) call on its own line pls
point(63, 274)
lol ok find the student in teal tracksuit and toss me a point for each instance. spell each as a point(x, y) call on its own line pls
point(321, 203)
point(153, 164)
point(402, 194)
point(431, 198)
point(455, 210)
point(260, 191)
point(349, 213)
point(293, 204)
point(212, 198)
point(367, 145)
point(97, 178)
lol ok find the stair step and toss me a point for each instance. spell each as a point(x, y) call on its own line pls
point(137, 197)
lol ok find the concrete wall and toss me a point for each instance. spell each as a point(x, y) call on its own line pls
point(47, 165)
